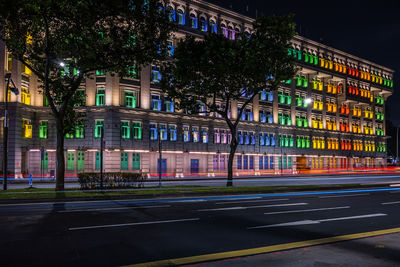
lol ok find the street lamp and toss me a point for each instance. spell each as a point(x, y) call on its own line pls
point(308, 101)
point(14, 89)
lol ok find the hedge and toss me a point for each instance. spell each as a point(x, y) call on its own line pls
point(91, 180)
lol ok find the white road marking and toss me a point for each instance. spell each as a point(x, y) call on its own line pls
point(390, 203)
point(305, 222)
point(255, 207)
point(189, 200)
point(130, 224)
point(354, 195)
point(238, 198)
point(117, 208)
point(251, 201)
point(309, 210)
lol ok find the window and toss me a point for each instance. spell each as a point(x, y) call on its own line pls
point(137, 130)
point(217, 136)
point(26, 128)
point(44, 164)
point(100, 97)
point(239, 162)
point(195, 134)
point(80, 160)
point(43, 129)
point(203, 25)
point(135, 161)
point(251, 162)
point(204, 135)
point(125, 130)
point(155, 74)
point(245, 162)
point(25, 96)
point(80, 131)
point(97, 160)
point(261, 139)
point(100, 72)
point(98, 128)
point(153, 131)
point(163, 132)
point(45, 101)
point(171, 13)
point(130, 99)
point(186, 134)
point(193, 21)
point(70, 161)
point(252, 138)
point(155, 102)
point(170, 48)
point(172, 132)
point(213, 26)
point(124, 161)
point(224, 134)
point(181, 17)
point(131, 72)
point(169, 106)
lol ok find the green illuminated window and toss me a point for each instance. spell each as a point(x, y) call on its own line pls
point(100, 97)
point(45, 101)
point(80, 160)
point(130, 99)
point(125, 130)
point(70, 161)
point(97, 161)
point(98, 128)
point(80, 131)
point(137, 130)
point(45, 161)
point(100, 72)
point(136, 161)
point(124, 161)
point(43, 129)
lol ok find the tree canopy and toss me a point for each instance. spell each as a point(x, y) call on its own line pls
point(215, 71)
point(63, 42)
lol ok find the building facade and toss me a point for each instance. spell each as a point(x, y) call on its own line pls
point(330, 115)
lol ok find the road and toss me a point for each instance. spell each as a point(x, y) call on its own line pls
point(366, 178)
point(121, 232)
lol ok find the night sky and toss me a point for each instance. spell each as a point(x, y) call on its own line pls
point(367, 29)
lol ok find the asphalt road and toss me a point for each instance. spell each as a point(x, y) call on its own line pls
point(366, 178)
point(114, 233)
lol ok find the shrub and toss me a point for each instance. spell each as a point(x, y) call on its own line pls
point(91, 180)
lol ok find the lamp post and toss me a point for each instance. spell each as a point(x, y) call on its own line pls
point(5, 137)
point(159, 157)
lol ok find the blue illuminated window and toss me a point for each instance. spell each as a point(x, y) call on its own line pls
point(181, 17)
point(153, 131)
point(203, 25)
point(193, 21)
point(155, 102)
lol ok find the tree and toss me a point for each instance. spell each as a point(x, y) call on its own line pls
point(63, 42)
point(216, 71)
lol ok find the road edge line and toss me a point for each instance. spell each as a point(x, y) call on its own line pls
point(261, 250)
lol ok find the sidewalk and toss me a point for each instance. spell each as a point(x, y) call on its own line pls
point(382, 251)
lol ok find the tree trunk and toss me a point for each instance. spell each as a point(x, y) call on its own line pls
point(233, 145)
point(60, 154)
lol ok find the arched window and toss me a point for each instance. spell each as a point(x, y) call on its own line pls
point(224, 30)
point(193, 21)
point(213, 26)
point(181, 17)
point(203, 25)
point(231, 33)
point(171, 13)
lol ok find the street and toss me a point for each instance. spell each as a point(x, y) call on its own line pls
point(121, 232)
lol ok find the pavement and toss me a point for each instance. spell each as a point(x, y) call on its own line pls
point(284, 180)
point(382, 251)
point(213, 229)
